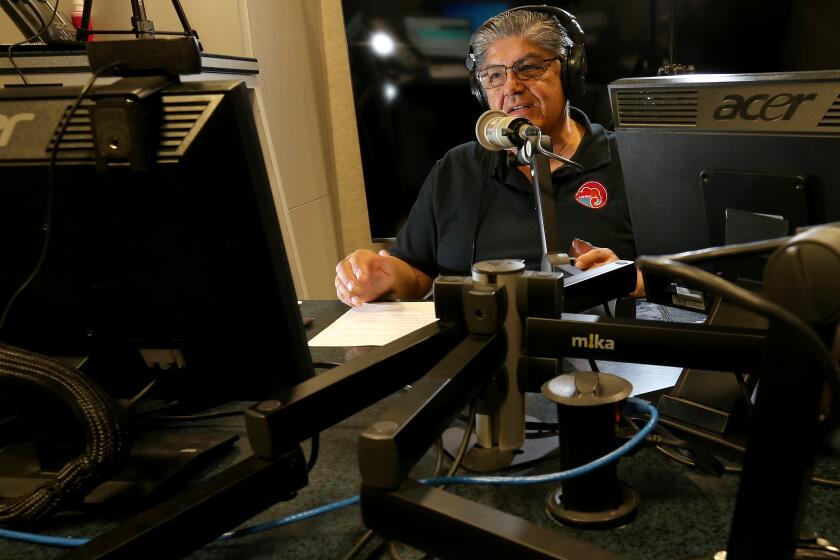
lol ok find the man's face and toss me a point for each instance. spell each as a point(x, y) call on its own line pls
point(541, 99)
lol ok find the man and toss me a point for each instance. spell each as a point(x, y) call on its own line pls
point(478, 205)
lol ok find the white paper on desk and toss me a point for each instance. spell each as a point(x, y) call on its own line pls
point(376, 324)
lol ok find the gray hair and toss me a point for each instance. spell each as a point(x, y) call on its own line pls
point(540, 28)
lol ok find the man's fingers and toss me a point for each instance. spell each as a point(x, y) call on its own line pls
point(639, 292)
point(345, 282)
point(349, 272)
point(345, 296)
point(580, 247)
point(598, 256)
point(341, 291)
point(364, 275)
point(344, 272)
point(357, 265)
point(356, 275)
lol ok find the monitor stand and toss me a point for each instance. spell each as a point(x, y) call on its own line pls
point(160, 462)
point(482, 460)
point(712, 407)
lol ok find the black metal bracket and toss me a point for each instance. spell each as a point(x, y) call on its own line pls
point(392, 446)
point(344, 390)
point(198, 515)
point(125, 121)
point(785, 436)
point(648, 342)
point(449, 526)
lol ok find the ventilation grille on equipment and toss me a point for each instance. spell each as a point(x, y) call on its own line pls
point(657, 108)
point(831, 119)
point(179, 119)
point(77, 142)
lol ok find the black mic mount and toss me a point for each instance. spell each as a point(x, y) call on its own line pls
point(518, 131)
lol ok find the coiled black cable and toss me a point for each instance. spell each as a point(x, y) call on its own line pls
point(103, 419)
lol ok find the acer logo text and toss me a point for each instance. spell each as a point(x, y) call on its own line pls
point(8, 124)
point(762, 106)
point(594, 342)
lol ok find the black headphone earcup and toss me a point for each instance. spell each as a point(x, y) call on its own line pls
point(574, 73)
point(478, 92)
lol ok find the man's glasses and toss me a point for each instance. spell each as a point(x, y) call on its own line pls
point(528, 68)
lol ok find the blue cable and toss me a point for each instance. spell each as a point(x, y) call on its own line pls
point(63, 542)
point(289, 519)
point(67, 542)
point(631, 407)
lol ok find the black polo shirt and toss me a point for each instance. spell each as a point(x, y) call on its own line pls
point(473, 195)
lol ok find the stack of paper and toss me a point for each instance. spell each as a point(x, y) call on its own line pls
point(376, 324)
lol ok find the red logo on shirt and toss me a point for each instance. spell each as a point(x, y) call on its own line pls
point(592, 194)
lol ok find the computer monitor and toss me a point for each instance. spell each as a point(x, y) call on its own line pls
point(711, 159)
point(165, 269)
point(177, 272)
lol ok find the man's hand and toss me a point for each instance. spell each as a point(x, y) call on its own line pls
point(364, 276)
point(588, 256)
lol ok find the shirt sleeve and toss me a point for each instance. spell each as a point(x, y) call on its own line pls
point(416, 241)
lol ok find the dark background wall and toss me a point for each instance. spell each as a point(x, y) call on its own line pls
point(413, 103)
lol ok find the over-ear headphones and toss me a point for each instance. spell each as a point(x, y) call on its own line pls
point(573, 71)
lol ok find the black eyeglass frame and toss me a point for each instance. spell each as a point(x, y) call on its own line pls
point(515, 71)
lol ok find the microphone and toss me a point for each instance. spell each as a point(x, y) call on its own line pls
point(496, 131)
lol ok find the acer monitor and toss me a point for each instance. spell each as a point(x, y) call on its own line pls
point(718, 159)
point(176, 273)
point(726, 158)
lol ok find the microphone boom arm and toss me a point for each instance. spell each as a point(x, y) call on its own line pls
point(541, 149)
point(532, 153)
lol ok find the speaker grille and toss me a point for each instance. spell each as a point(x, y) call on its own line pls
point(179, 119)
point(657, 107)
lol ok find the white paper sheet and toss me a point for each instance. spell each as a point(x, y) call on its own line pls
point(376, 324)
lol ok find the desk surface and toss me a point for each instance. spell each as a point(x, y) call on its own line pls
point(684, 514)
